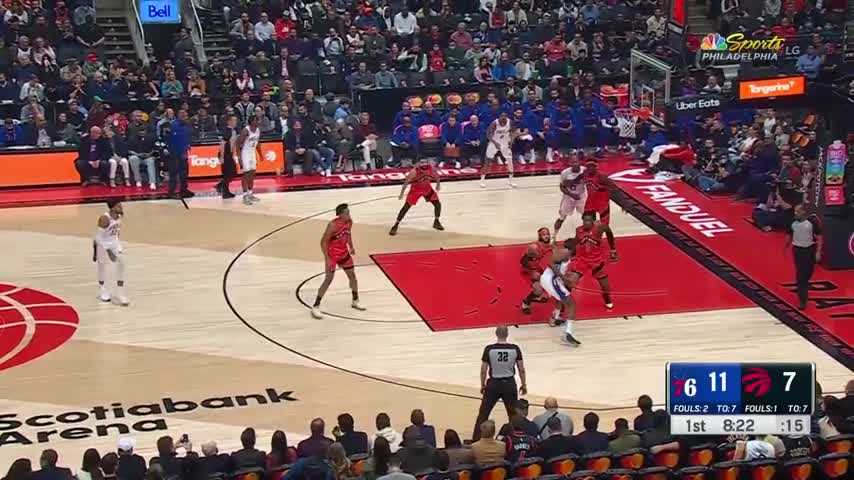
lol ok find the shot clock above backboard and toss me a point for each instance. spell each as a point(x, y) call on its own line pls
point(727, 398)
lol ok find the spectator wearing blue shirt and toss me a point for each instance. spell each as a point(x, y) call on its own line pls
point(99, 87)
point(474, 139)
point(562, 123)
point(470, 108)
point(180, 140)
point(428, 116)
point(404, 141)
point(314, 467)
point(534, 117)
point(549, 137)
point(590, 13)
point(12, 135)
point(809, 63)
point(452, 140)
point(343, 112)
point(8, 90)
point(405, 111)
point(504, 69)
point(490, 113)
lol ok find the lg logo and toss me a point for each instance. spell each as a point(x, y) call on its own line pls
point(32, 323)
point(635, 175)
point(851, 244)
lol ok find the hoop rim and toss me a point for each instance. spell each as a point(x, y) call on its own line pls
point(643, 113)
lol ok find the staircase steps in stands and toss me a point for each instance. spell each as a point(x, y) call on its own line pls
point(117, 37)
point(217, 42)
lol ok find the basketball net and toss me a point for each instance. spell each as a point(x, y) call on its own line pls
point(627, 120)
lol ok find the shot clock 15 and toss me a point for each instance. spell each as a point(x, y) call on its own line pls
point(740, 398)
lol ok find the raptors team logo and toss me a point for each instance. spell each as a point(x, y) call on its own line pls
point(32, 323)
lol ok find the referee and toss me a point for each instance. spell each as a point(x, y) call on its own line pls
point(805, 239)
point(499, 363)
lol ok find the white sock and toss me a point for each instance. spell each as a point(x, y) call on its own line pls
point(568, 328)
point(556, 313)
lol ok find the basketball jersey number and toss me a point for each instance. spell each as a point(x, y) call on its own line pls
point(503, 356)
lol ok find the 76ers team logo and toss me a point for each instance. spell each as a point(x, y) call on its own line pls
point(32, 323)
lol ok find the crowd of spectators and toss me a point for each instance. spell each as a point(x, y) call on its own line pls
point(416, 453)
point(542, 61)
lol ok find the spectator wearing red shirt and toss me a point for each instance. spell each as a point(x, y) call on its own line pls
point(284, 25)
point(461, 37)
point(555, 49)
point(437, 59)
point(785, 29)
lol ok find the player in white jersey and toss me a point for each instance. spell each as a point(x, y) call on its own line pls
point(249, 145)
point(574, 189)
point(108, 252)
point(558, 284)
point(499, 136)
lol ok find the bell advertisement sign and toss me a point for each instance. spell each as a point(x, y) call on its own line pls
point(160, 11)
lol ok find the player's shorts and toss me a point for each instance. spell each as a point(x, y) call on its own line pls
point(603, 215)
point(597, 268)
point(504, 150)
point(553, 285)
point(248, 162)
point(415, 194)
point(344, 261)
point(569, 205)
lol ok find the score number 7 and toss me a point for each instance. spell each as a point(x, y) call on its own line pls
point(790, 377)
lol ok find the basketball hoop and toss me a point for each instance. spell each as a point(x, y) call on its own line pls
point(627, 120)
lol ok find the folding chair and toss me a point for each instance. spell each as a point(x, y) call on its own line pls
point(667, 458)
point(762, 469)
point(693, 473)
point(619, 474)
point(727, 470)
point(803, 468)
point(838, 443)
point(584, 475)
point(655, 473)
point(528, 469)
point(255, 473)
point(634, 458)
point(465, 471)
point(563, 465)
point(597, 461)
point(359, 461)
point(836, 465)
point(498, 472)
point(702, 455)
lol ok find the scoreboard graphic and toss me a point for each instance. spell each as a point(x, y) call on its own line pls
point(740, 398)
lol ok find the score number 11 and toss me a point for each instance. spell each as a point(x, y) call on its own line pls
point(689, 386)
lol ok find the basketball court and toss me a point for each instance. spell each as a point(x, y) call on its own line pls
point(218, 335)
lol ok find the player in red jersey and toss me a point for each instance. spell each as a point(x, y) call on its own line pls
point(599, 201)
point(590, 257)
point(534, 261)
point(419, 180)
point(338, 251)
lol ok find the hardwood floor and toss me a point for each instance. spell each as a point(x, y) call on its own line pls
point(180, 340)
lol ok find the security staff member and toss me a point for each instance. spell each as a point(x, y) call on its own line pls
point(499, 362)
point(805, 239)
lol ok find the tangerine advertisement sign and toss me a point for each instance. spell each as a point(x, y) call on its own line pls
point(771, 88)
point(737, 48)
point(27, 168)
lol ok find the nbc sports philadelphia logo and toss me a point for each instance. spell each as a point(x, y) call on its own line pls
point(737, 48)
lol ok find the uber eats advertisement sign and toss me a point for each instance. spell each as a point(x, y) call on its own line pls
point(696, 104)
point(160, 11)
